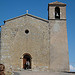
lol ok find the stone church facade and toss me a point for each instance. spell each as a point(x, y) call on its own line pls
point(41, 42)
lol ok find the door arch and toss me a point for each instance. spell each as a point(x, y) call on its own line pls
point(27, 58)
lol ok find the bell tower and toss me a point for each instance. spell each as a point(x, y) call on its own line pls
point(59, 57)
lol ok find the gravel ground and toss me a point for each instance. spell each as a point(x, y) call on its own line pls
point(40, 73)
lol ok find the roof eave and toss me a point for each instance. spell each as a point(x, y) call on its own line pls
point(27, 15)
point(56, 4)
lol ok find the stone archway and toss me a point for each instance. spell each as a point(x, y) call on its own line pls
point(27, 61)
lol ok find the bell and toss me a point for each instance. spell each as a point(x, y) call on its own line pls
point(57, 14)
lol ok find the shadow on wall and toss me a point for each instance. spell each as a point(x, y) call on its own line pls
point(70, 72)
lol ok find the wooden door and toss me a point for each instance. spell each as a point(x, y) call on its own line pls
point(24, 62)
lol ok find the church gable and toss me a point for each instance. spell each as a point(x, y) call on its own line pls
point(22, 25)
point(24, 16)
point(25, 22)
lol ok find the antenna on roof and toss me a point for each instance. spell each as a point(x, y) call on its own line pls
point(27, 11)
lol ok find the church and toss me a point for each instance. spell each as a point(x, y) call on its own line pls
point(40, 42)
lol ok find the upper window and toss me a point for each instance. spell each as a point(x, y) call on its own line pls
point(57, 13)
point(27, 31)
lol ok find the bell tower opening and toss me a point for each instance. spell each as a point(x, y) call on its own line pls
point(26, 61)
point(57, 13)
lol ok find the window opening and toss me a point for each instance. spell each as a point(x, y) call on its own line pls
point(26, 31)
point(57, 13)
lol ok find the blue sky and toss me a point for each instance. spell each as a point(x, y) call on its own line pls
point(12, 8)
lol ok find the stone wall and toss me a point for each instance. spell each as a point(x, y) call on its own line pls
point(59, 59)
point(15, 42)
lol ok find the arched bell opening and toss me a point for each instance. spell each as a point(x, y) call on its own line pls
point(57, 13)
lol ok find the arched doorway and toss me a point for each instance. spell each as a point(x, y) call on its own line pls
point(27, 61)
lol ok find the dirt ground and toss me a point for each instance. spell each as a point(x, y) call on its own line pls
point(40, 73)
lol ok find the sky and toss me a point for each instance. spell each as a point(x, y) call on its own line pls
point(13, 8)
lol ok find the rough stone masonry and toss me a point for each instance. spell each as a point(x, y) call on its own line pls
point(41, 42)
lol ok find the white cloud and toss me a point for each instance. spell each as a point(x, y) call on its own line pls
point(72, 68)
